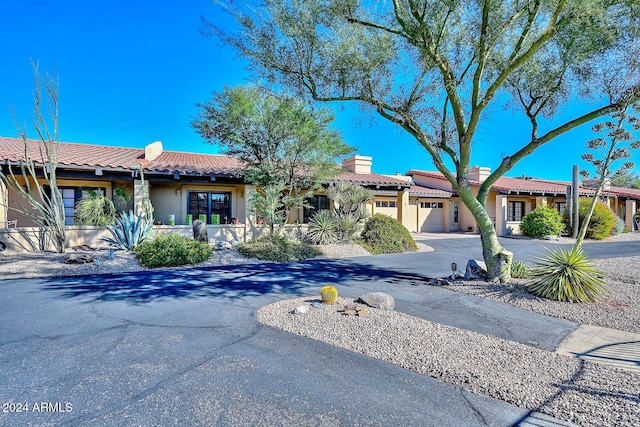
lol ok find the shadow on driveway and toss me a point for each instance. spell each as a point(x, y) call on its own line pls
point(229, 281)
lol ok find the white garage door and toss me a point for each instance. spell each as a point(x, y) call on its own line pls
point(431, 216)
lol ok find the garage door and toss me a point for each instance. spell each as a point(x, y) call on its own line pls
point(431, 216)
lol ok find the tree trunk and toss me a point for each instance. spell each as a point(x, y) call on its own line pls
point(497, 259)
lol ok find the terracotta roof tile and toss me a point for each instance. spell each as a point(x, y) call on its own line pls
point(371, 179)
point(87, 155)
point(420, 191)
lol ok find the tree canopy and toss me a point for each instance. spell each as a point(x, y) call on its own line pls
point(285, 146)
point(435, 68)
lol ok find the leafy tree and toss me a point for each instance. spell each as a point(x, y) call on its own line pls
point(437, 68)
point(627, 179)
point(619, 133)
point(44, 204)
point(285, 147)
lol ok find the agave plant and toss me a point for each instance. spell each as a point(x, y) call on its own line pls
point(129, 230)
point(323, 228)
point(566, 275)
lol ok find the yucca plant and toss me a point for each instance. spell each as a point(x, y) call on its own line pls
point(566, 275)
point(95, 209)
point(129, 230)
point(323, 229)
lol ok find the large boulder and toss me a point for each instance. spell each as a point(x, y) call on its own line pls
point(79, 258)
point(200, 231)
point(475, 270)
point(379, 300)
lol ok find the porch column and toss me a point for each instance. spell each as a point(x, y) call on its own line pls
point(247, 219)
point(140, 191)
point(630, 211)
point(446, 213)
point(501, 214)
point(541, 201)
point(4, 205)
point(403, 208)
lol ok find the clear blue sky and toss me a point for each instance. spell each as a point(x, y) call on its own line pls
point(131, 72)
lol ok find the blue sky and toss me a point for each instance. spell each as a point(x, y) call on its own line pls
point(131, 72)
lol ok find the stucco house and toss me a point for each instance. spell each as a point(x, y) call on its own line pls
point(184, 186)
point(181, 186)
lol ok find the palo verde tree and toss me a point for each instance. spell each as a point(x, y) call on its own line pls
point(285, 147)
point(435, 68)
point(37, 185)
point(612, 148)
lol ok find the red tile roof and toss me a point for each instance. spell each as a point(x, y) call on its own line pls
point(371, 179)
point(419, 191)
point(119, 158)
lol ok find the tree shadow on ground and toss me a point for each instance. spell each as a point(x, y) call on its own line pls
point(231, 282)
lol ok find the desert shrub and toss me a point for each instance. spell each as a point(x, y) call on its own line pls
point(602, 222)
point(520, 270)
point(350, 204)
point(278, 248)
point(129, 230)
point(543, 221)
point(620, 226)
point(170, 250)
point(95, 209)
point(323, 229)
point(566, 275)
point(384, 235)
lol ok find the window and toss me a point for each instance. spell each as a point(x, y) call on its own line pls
point(385, 204)
point(560, 207)
point(210, 203)
point(431, 205)
point(515, 211)
point(315, 204)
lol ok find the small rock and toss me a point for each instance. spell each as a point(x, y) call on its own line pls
point(362, 310)
point(300, 309)
point(379, 300)
point(317, 305)
point(79, 258)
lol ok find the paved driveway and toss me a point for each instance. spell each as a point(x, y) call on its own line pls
point(184, 348)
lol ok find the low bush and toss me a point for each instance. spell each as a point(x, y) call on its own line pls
point(520, 270)
point(543, 221)
point(620, 227)
point(603, 220)
point(170, 250)
point(278, 248)
point(566, 275)
point(385, 235)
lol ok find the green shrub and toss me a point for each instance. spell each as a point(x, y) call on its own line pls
point(170, 250)
point(278, 248)
point(323, 229)
point(603, 220)
point(520, 270)
point(543, 221)
point(95, 209)
point(566, 275)
point(384, 235)
point(620, 226)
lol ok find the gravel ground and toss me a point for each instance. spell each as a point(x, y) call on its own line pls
point(566, 388)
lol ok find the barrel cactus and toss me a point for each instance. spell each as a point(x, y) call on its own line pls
point(329, 294)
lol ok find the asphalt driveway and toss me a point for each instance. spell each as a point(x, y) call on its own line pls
point(183, 347)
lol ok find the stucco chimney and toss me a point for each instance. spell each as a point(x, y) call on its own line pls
point(478, 173)
point(153, 150)
point(358, 164)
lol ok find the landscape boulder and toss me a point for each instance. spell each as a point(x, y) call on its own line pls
point(79, 258)
point(475, 270)
point(379, 300)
